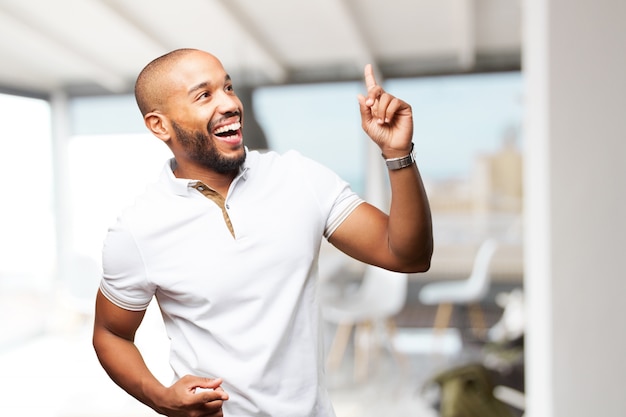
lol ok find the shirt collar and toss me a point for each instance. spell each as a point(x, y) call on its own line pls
point(182, 186)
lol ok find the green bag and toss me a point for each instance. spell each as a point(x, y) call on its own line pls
point(467, 391)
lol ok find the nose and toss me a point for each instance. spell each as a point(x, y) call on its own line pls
point(228, 102)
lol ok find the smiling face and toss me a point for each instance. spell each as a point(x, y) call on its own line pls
point(189, 102)
point(199, 147)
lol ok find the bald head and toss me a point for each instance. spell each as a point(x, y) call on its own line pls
point(150, 82)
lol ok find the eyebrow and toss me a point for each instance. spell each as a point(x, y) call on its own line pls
point(204, 84)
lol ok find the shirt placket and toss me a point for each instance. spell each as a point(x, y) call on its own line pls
point(218, 199)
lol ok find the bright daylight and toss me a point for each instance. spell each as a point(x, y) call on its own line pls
point(339, 208)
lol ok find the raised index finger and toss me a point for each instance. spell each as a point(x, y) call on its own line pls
point(370, 81)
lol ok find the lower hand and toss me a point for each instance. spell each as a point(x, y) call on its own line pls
point(194, 396)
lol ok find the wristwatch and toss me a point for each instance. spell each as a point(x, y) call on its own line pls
point(401, 162)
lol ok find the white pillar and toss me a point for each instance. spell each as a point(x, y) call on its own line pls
point(62, 205)
point(575, 191)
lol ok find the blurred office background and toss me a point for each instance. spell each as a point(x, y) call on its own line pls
point(519, 135)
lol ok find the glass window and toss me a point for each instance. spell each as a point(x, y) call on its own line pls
point(27, 242)
point(322, 121)
point(27, 232)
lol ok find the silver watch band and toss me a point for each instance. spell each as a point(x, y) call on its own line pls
point(401, 162)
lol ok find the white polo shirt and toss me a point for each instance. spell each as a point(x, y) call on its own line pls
point(239, 307)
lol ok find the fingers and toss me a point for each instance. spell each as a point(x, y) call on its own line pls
point(382, 109)
point(370, 80)
point(212, 410)
point(382, 105)
point(208, 382)
point(212, 395)
point(213, 400)
point(388, 108)
point(210, 389)
point(370, 84)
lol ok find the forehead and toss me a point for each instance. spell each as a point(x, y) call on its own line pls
point(194, 69)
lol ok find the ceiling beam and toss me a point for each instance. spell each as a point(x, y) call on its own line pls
point(122, 14)
point(98, 71)
point(248, 26)
point(363, 50)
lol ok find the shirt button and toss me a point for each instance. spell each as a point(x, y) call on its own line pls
point(227, 206)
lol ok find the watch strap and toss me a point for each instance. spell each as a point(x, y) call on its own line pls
point(401, 162)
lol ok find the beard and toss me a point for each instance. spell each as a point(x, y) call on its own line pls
point(201, 148)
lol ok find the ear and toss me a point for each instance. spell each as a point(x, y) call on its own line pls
point(158, 124)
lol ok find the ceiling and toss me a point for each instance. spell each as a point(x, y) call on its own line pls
point(87, 47)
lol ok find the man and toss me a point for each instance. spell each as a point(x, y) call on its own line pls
point(228, 241)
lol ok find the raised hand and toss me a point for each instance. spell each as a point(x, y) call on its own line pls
point(386, 119)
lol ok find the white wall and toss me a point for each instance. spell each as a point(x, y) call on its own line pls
point(575, 69)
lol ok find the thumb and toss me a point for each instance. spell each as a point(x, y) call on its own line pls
point(364, 109)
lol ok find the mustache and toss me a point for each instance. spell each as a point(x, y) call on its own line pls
point(226, 116)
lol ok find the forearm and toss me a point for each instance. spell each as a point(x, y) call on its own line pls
point(410, 236)
point(125, 365)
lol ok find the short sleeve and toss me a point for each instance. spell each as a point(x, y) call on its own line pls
point(335, 197)
point(346, 202)
point(124, 280)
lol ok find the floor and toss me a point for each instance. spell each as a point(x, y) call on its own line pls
point(391, 388)
point(405, 388)
point(56, 373)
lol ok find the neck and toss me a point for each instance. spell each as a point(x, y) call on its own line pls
point(219, 182)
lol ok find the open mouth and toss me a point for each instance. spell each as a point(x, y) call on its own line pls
point(228, 130)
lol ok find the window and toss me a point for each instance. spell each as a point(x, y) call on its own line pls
point(27, 237)
point(27, 242)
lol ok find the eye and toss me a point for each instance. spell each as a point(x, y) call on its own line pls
point(229, 88)
point(205, 94)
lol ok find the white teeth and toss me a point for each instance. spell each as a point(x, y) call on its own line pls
point(228, 128)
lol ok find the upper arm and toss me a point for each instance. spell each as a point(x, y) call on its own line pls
point(113, 320)
point(363, 236)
